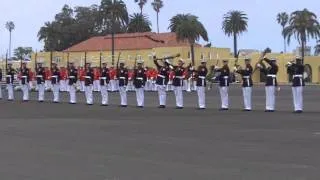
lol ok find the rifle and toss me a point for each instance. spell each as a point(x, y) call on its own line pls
point(100, 63)
point(266, 51)
point(7, 62)
point(170, 57)
point(68, 61)
point(118, 60)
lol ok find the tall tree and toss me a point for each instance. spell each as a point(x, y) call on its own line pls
point(116, 11)
point(10, 27)
point(302, 25)
point(139, 23)
point(157, 5)
point(235, 23)
point(282, 19)
point(141, 3)
point(317, 48)
point(188, 28)
point(22, 52)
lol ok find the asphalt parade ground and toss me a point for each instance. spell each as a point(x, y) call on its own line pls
point(46, 141)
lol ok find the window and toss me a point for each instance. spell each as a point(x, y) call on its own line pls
point(189, 55)
point(139, 57)
point(129, 57)
point(201, 56)
point(210, 55)
point(150, 57)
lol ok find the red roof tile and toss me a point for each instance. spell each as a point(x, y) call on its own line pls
point(128, 41)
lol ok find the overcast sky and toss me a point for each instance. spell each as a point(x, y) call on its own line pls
point(30, 15)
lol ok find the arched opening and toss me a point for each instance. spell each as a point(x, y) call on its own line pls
point(307, 73)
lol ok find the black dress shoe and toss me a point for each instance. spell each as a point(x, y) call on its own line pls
point(247, 110)
point(162, 106)
point(223, 109)
point(71, 103)
point(89, 104)
point(40, 101)
point(124, 106)
point(298, 112)
point(25, 101)
point(269, 111)
point(56, 102)
point(201, 108)
point(104, 105)
point(179, 107)
point(10, 99)
point(139, 106)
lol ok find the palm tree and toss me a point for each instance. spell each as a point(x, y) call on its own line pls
point(139, 23)
point(141, 3)
point(157, 5)
point(10, 27)
point(116, 10)
point(235, 23)
point(302, 25)
point(282, 19)
point(188, 28)
point(317, 48)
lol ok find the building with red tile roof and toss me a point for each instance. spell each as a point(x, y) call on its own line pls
point(130, 41)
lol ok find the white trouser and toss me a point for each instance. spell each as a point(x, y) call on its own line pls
point(0, 91)
point(25, 91)
point(55, 90)
point(10, 91)
point(96, 85)
point(140, 96)
point(104, 95)
point(123, 95)
point(63, 85)
point(88, 94)
point(201, 90)
point(185, 85)
point(189, 83)
point(297, 98)
point(247, 91)
point(47, 85)
point(41, 88)
point(270, 97)
point(72, 93)
point(224, 96)
point(162, 94)
point(113, 85)
point(82, 86)
point(179, 96)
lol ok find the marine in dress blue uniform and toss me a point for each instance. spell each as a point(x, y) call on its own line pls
point(139, 82)
point(162, 80)
point(224, 80)
point(296, 70)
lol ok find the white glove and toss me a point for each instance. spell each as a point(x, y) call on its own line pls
point(235, 68)
point(191, 68)
point(259, 66)
point(289, 63)
point(216, 67)
point(153, 54)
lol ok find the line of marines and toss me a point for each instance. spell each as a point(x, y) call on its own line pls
point(166, 72)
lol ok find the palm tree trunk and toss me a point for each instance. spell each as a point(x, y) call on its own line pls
point(192, 53)
point(158, 21)
point(302, 50)
point(235, 44)
point(112, 40)
point(284, 42)
point(10, 45)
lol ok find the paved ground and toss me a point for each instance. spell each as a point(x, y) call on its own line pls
point(76, 142)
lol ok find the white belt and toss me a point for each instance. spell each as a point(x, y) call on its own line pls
point(179, 77)
point(71, 77)
point(202, 77)
point(246, 77)
point(54, 76)
point(162, 76)
point(8, 75)
point(272, 75)
point(225, 77)
point(87, 77)
point(24, 77)
point(39, 76)
point(122, 77)
point(104, 78)
point(298, 75)
point(139, 78)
